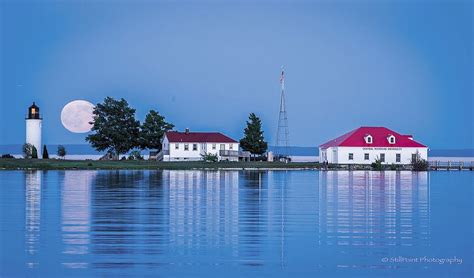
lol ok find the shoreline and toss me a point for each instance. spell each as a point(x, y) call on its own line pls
point(59, 164)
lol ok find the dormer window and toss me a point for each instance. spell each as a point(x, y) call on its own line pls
point(368, 139)
point(391, 139)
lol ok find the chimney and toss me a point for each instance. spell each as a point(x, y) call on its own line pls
point(186, 130)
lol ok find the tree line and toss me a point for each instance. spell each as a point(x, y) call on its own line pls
point(116, 130)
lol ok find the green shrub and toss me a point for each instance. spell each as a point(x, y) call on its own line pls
point(377, 165)
point(27, 150)
point(7, 156)
point(419, 164)
point(135, 155)
point(209, 157)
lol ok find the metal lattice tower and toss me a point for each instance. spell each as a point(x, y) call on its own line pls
point(283, 134)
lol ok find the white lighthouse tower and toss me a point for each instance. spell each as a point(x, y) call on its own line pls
point(33, 128)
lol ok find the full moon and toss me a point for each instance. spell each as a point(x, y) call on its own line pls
point(76, 116)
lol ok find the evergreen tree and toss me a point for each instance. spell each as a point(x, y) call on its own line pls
point(61, 151)
point(115, 128)
point(152, 130)
point(253, 140)
point(45, 152)
point(34, 153)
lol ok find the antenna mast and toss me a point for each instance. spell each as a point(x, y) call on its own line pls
point(283, 136)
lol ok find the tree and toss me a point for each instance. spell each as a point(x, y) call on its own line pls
point(34, 153)
point(27, 150)
point(253, 140)
point(152, 130)
point(115, 128)
point(61, 151)
point(45, 152)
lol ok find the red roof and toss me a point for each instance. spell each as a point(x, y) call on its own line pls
point(356, 138)
point(198, 137)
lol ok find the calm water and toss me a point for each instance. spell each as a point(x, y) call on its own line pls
point(236, 223)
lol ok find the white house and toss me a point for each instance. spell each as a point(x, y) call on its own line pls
point(188, 145)
point(366, 144)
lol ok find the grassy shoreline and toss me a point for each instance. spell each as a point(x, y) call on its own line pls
point(59, 164)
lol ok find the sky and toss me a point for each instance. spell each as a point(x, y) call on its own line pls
point(405, 65)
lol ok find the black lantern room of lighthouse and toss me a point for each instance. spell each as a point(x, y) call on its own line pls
point(34, 112)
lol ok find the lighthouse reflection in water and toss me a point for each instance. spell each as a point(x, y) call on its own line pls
point(185, 222)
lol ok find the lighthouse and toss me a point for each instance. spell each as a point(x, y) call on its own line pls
point(33, 128)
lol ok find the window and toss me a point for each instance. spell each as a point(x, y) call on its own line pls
point(398, 157)
point(214, 146)
point(176, 146)
point(195, 147)
point(414, 156)
point(222, 147)
point(186, 147)
point(368, 139)
point(351, 156)
point(366, 156)
point(382, 157)
point(231, 146)
point(391, 139)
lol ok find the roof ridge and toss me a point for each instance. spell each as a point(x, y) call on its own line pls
point(349, 134)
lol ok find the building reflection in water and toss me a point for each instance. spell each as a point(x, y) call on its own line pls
point(203, 208)
point(32, 215)
point(75, 216)
point(374, 208)
point(146, 219)
point(235, 212)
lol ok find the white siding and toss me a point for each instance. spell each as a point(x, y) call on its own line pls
point(190, 154)
point(340, 155)
point(33, 134)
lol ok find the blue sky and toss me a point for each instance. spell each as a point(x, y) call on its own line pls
point(406, 65)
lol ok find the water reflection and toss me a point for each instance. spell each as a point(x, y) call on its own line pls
point(116, 220)
point(203, 208)
point(116, 217)
point(75, 215)
point(373, 208)
point(32, 215)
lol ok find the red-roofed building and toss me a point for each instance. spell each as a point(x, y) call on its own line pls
point(188, 145)
point(364, 145)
